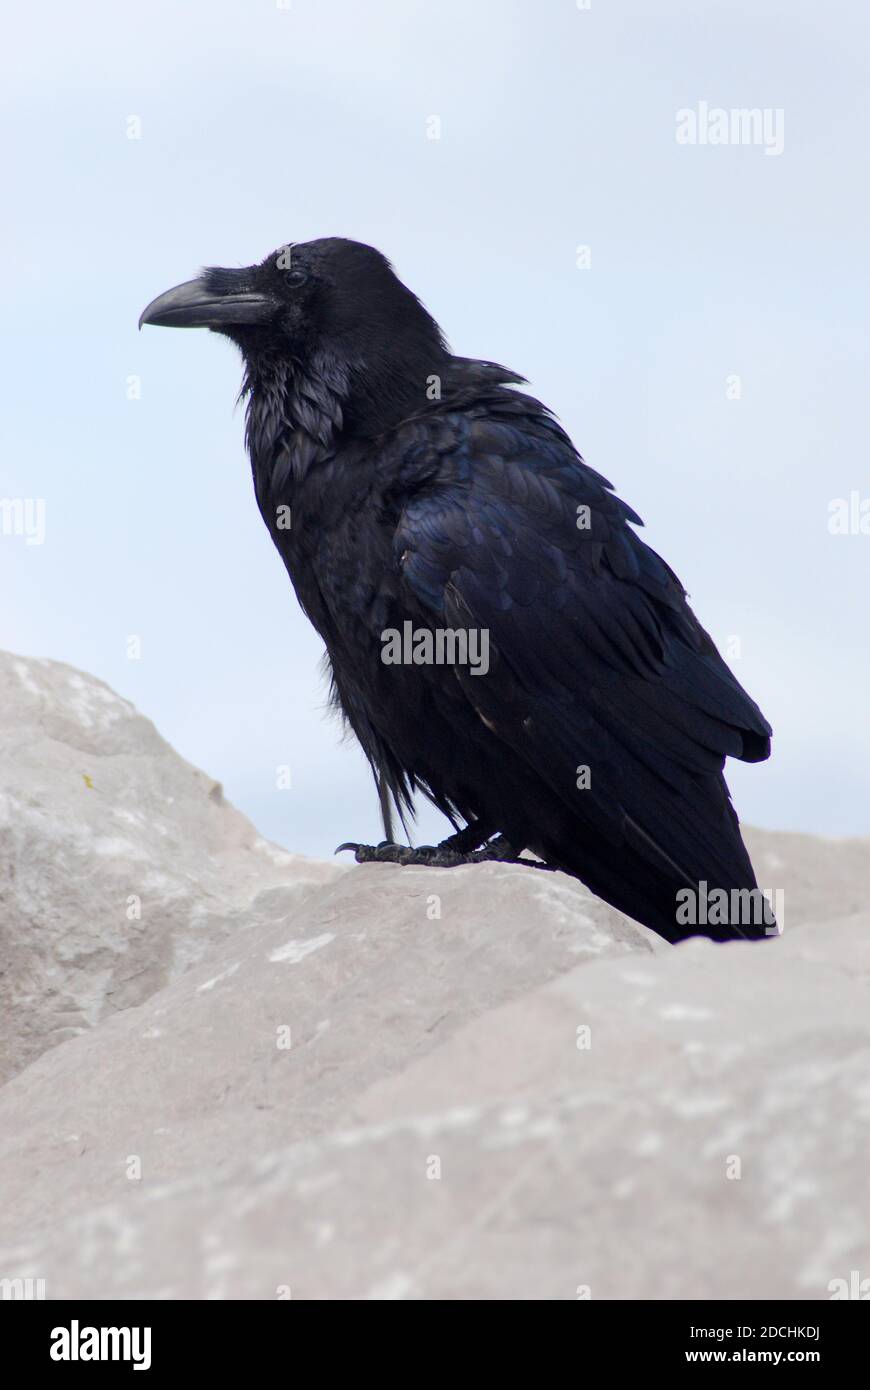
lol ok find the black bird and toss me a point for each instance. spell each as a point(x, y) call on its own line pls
point(497, 634)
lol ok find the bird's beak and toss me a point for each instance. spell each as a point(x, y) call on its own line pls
point(194, 305)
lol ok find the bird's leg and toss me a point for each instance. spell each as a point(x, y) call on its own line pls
point(469, 846)
point(475, 834)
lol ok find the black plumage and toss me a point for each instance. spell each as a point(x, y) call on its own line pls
point(402, 484)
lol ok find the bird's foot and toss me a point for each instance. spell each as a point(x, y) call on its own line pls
point(443, 856)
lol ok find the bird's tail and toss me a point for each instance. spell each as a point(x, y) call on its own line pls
point(684, 873)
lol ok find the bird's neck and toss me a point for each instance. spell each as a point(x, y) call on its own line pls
point(294, 414)
point(300, 412)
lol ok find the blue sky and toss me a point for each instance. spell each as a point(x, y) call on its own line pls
point(261, 124)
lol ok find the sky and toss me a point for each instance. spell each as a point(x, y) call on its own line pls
point(686, 290)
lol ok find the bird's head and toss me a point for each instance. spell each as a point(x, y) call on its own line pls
point(331, 300)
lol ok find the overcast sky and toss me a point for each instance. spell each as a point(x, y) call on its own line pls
point(713, 269)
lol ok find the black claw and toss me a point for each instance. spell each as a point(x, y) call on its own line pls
point(443, 856)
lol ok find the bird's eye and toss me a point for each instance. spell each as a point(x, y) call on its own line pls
point(295, 277)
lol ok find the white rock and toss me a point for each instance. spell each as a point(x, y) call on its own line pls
point(437, 1127)
point(120, 864)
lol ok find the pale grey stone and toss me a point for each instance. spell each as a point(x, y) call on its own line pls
point(496, 1085)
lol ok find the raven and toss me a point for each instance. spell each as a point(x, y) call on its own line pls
point(497, 634)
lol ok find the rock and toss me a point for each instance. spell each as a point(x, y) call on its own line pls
point(120, 864)
point(820, 878)
point(410, 1083)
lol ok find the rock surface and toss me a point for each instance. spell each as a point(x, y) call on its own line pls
point(120, 864)
point(391, 1083)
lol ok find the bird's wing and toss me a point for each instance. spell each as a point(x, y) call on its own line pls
point(595, 658)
